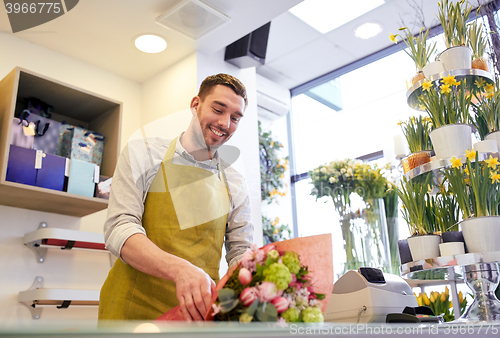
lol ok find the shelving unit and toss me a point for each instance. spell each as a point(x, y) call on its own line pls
point(73, 105)
point(37, 297)
point(39, 241)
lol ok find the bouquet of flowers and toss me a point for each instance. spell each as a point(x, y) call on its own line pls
point(288, 281)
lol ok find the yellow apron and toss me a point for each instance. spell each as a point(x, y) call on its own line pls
point(195, 233)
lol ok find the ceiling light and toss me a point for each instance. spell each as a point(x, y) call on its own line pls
point(192, 18)
point(326, 15)
point(368, 30)
point(150, 43)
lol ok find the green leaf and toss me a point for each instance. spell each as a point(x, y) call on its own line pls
point(320, 296)
point(266, 313)
point(252, 308)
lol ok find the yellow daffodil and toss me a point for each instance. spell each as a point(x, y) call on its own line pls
point(393, 38)
point(479, 83)
point(492, 162)
point(490, 88)
point(421, 106)
point(456, 162)
point(400, 122)
point(490, 95)
point(282, 176)
point(272, 143)
point(445, 89)
point(449, 80)
point(466, 170)
point(471, 155)
point(495, 177)
point(427, 85)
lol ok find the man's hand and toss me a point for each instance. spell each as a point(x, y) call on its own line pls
point(194, 289)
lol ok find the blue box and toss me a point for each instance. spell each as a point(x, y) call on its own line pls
point(51, 175)
point(21, 165)
point(81, 179)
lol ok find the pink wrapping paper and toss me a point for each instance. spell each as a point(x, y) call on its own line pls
point(315, 252)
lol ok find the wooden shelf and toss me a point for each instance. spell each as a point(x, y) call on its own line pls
point(38, 296)
point(73, 105)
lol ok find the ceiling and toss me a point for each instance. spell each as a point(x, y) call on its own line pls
point(101, 33)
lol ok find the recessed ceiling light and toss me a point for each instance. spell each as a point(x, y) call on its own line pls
point(326, 15)
point(368, 30)
point(150, 43)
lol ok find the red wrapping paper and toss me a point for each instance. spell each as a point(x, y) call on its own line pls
point(315, 252)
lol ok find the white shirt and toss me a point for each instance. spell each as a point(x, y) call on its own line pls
point(136, 168)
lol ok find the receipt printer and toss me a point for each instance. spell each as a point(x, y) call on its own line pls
point(368, 296)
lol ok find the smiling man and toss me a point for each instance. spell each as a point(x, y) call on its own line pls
point(173, 204)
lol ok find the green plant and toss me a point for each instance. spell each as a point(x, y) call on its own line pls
point(447, 101)
point(414, 196)
point(476, 39)
point(416, 131)
point(486, 118)
point(445, 210)
point(419, 51)
point(453, 18)
point(475, 185)
point(272, 167)
point(273, 232)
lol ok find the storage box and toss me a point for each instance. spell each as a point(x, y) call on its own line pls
point(18, 136)
point(51, 175)
point(21, 165)
point(82, 178)
point(81, 144)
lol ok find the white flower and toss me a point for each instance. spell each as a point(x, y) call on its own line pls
point(349, 172)
point(332, 180)
point(343, 171)
point(323, 170)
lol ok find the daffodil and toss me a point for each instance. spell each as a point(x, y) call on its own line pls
point(445, 89)
point(495, 177)
point(492, 162)
point(393, 38)
point(479, 83)
point(449, 80)
point(490, 88)
point(427, 85)
point(456, 162)
point(490, 95)
point(471, 155)
point(400, 122)
point(466, 170)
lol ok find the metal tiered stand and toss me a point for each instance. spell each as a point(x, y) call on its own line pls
point(480, 271)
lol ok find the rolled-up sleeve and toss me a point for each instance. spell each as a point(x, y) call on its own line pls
point(240, 229)
point(125, 207)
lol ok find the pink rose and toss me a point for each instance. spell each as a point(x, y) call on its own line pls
point(281, 304)
point(245, 276)
point(247, 261)
point(268, 291)
point(260, 257)
point(248, 296)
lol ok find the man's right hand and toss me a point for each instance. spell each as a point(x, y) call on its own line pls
point(194, 289)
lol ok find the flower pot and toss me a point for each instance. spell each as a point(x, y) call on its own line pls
point(404, 251)
point(451, 249)
point(451, 140)
point(433, 68)
point(419, 158)
point(424, 247)
point(458, 57)
point(481, 234)
point(418, 77)
point(480, 63)
point(495, 136)
point(486, 146)
point(452, 236)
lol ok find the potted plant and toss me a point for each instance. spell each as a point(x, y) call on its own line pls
point(417, 212)
point(453, 18)
point(418, 50)
point(486, 118)
point(416, 131)
point(475, 186)
point(447, 103)
point(477, 43)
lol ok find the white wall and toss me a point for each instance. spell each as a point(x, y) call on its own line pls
point(72, 269)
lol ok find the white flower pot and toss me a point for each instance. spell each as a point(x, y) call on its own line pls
point(458, 57)
point(481, 234)
point(486, 146)
point(451, 248)
point(433, 68)
point(424, 247)
point(451, 140)
point(494, 136)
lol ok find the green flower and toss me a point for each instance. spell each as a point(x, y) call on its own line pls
point(245, 318)
point(291, 260)
point(312, 314)
point(291, 315)
point(279, 274)
point(273, 254)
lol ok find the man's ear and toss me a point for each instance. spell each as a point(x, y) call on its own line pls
point(195, 103)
